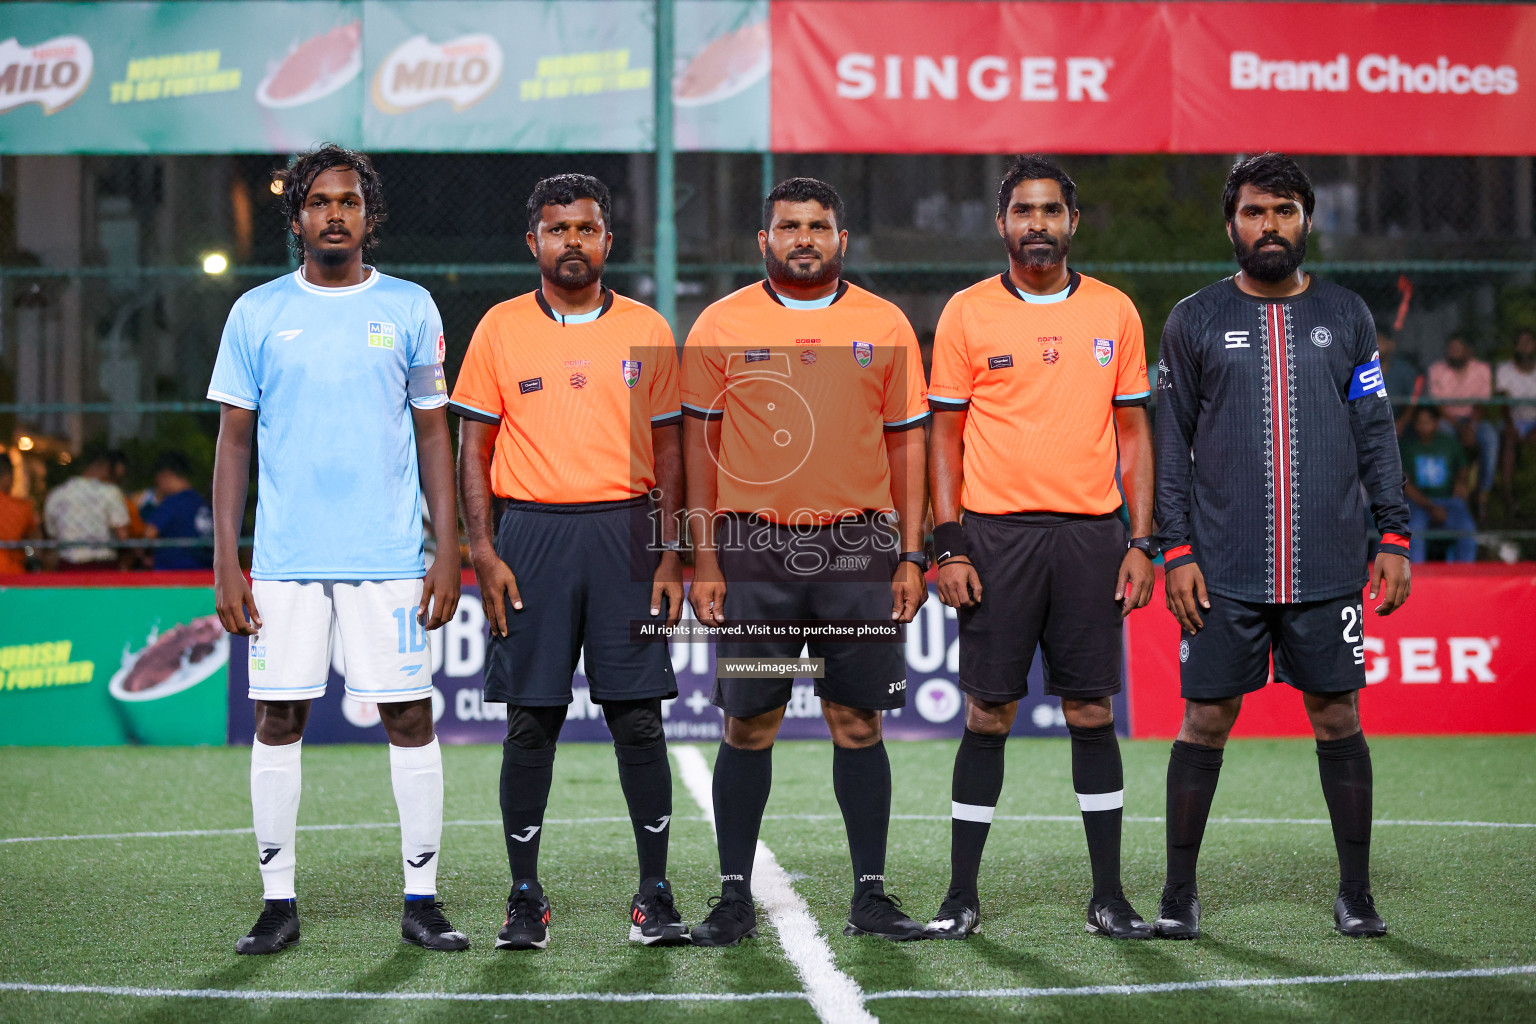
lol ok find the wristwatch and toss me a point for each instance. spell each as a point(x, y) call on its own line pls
point(917, 558)
point(1146, 545)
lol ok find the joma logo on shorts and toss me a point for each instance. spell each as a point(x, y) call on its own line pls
point(898, 686)
point(850, 563)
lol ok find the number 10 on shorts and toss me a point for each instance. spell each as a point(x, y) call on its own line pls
point(413, 638)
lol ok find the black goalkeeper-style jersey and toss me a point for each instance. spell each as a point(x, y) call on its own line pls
point(1271, 415)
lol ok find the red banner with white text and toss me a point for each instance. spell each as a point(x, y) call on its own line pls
point(902, 76)
point(1458, 657)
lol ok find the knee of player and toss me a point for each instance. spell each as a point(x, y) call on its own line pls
point(1208, 723)
point(855, 730)
point(635, 723)
point(408, 724)
point(534, 728)
point(1088, 714)
point(755, 733)
point(989, 719)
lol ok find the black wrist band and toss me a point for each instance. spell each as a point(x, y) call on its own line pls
point(948, 541)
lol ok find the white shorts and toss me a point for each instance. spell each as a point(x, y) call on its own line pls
point(385, 651)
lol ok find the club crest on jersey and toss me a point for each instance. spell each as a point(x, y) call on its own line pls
point(631, 372)
point(863, 352)
point(1103, 350)
point(1322, 337)
point(381, 335)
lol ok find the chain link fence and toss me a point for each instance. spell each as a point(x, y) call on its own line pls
point(109, 321)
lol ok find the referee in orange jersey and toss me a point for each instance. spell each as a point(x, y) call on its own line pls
point(1039, 385)
point(570, 411)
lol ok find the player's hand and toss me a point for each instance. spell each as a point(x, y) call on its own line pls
point(707, 594)
point(1186, 596)
point(908, 591)
point(1134, 588)
point(498, 588)
point(959, 586)
point(231, 597)
point(442, 583)
point(668, 584)
point(1391, 577)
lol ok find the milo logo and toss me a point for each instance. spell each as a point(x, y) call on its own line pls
point(52, 74)
point(462, 71)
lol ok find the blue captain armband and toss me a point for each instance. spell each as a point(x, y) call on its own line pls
point(426, 386)
point(1367, 380)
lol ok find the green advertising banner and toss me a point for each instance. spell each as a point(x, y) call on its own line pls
point(82, 666)
point(444, 75)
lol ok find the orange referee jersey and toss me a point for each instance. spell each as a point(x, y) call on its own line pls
point(1039, 381)
point(806, 397)
point(576, 402)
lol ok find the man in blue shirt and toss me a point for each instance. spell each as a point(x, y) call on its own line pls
point(178, 513)
point(339, 368)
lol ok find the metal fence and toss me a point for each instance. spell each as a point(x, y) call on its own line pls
point(109, 322)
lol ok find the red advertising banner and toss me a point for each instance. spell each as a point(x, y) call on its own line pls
point(902, 76)
point(1457, 658)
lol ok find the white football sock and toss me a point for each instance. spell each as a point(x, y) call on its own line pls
point(417, 773)
point(275, 786)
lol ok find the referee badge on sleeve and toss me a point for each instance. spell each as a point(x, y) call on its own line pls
point(1103, 350)
point(631, 372)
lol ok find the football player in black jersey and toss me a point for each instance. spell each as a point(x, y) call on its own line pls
point(1272, 415)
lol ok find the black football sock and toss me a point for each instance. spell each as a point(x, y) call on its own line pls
point(1100, 784)
point(1345, 768)
point(742, 781)
point(973, 790)
point(646, 778)
point(525, 778)
point(1193, 770)
point(861, 778)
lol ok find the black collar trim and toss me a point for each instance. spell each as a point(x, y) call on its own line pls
point(557, 318)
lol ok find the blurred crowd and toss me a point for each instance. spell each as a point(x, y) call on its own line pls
point(98, 524)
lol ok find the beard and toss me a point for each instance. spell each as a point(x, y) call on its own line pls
point(574, 272)
point(1272, 265)
point(329, 257)
point(1040, 259)
point(830, 269)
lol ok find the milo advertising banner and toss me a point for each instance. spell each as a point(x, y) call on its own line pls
point(97, 666)
point(934, 707)
point(467, 75)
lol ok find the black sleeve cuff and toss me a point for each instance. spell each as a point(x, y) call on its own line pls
point(467, 413)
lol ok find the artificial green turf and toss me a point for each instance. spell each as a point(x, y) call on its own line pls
point(164, 912)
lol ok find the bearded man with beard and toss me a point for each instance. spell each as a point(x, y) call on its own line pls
point(1039, 388)
point(803, 437)
point(569, 413)
point(1272, 415)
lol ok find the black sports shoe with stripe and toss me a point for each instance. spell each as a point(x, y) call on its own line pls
point(879, 915)
point(1354, 914)
point(1114, 917)
point(1178, 913)
point(527, 925)
point(958, 917)
point(654, 920)
point(424, 925)
point(276, 929)
point(731, 918)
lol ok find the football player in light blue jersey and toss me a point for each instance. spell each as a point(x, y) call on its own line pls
point(339, 369)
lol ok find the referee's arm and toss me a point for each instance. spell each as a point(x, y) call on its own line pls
point(959, 586)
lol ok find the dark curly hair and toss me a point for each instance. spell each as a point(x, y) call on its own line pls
point(1273, 174)
point(1031, 168)
point(565, 189)
point(300, 175)
point(803, 190)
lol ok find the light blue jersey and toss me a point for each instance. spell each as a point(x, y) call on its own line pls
point(332, 374)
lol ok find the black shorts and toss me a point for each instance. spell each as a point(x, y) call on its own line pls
point(583, 572)
point(1047, 580)
point(841, 571)
point(1318, 646)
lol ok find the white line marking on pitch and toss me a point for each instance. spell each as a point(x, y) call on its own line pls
point(832, 994)
point(1197, 986)
point(489, 823)
point(257, 995)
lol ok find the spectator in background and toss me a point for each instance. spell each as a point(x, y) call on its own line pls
point(1517, 378)
point(1404, 382)
point(119, 460)
point(178, 512)
point(1459, 375)
point(88, 507)
point(17, 521)
point(1436, 487)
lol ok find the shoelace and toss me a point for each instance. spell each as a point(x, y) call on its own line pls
point(664, 904)
point(271, 921)
point(430, 914)
point(525, 908)
point(890, 905)
point(723, 905)
point(1181, 900)
point(1358, 902)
